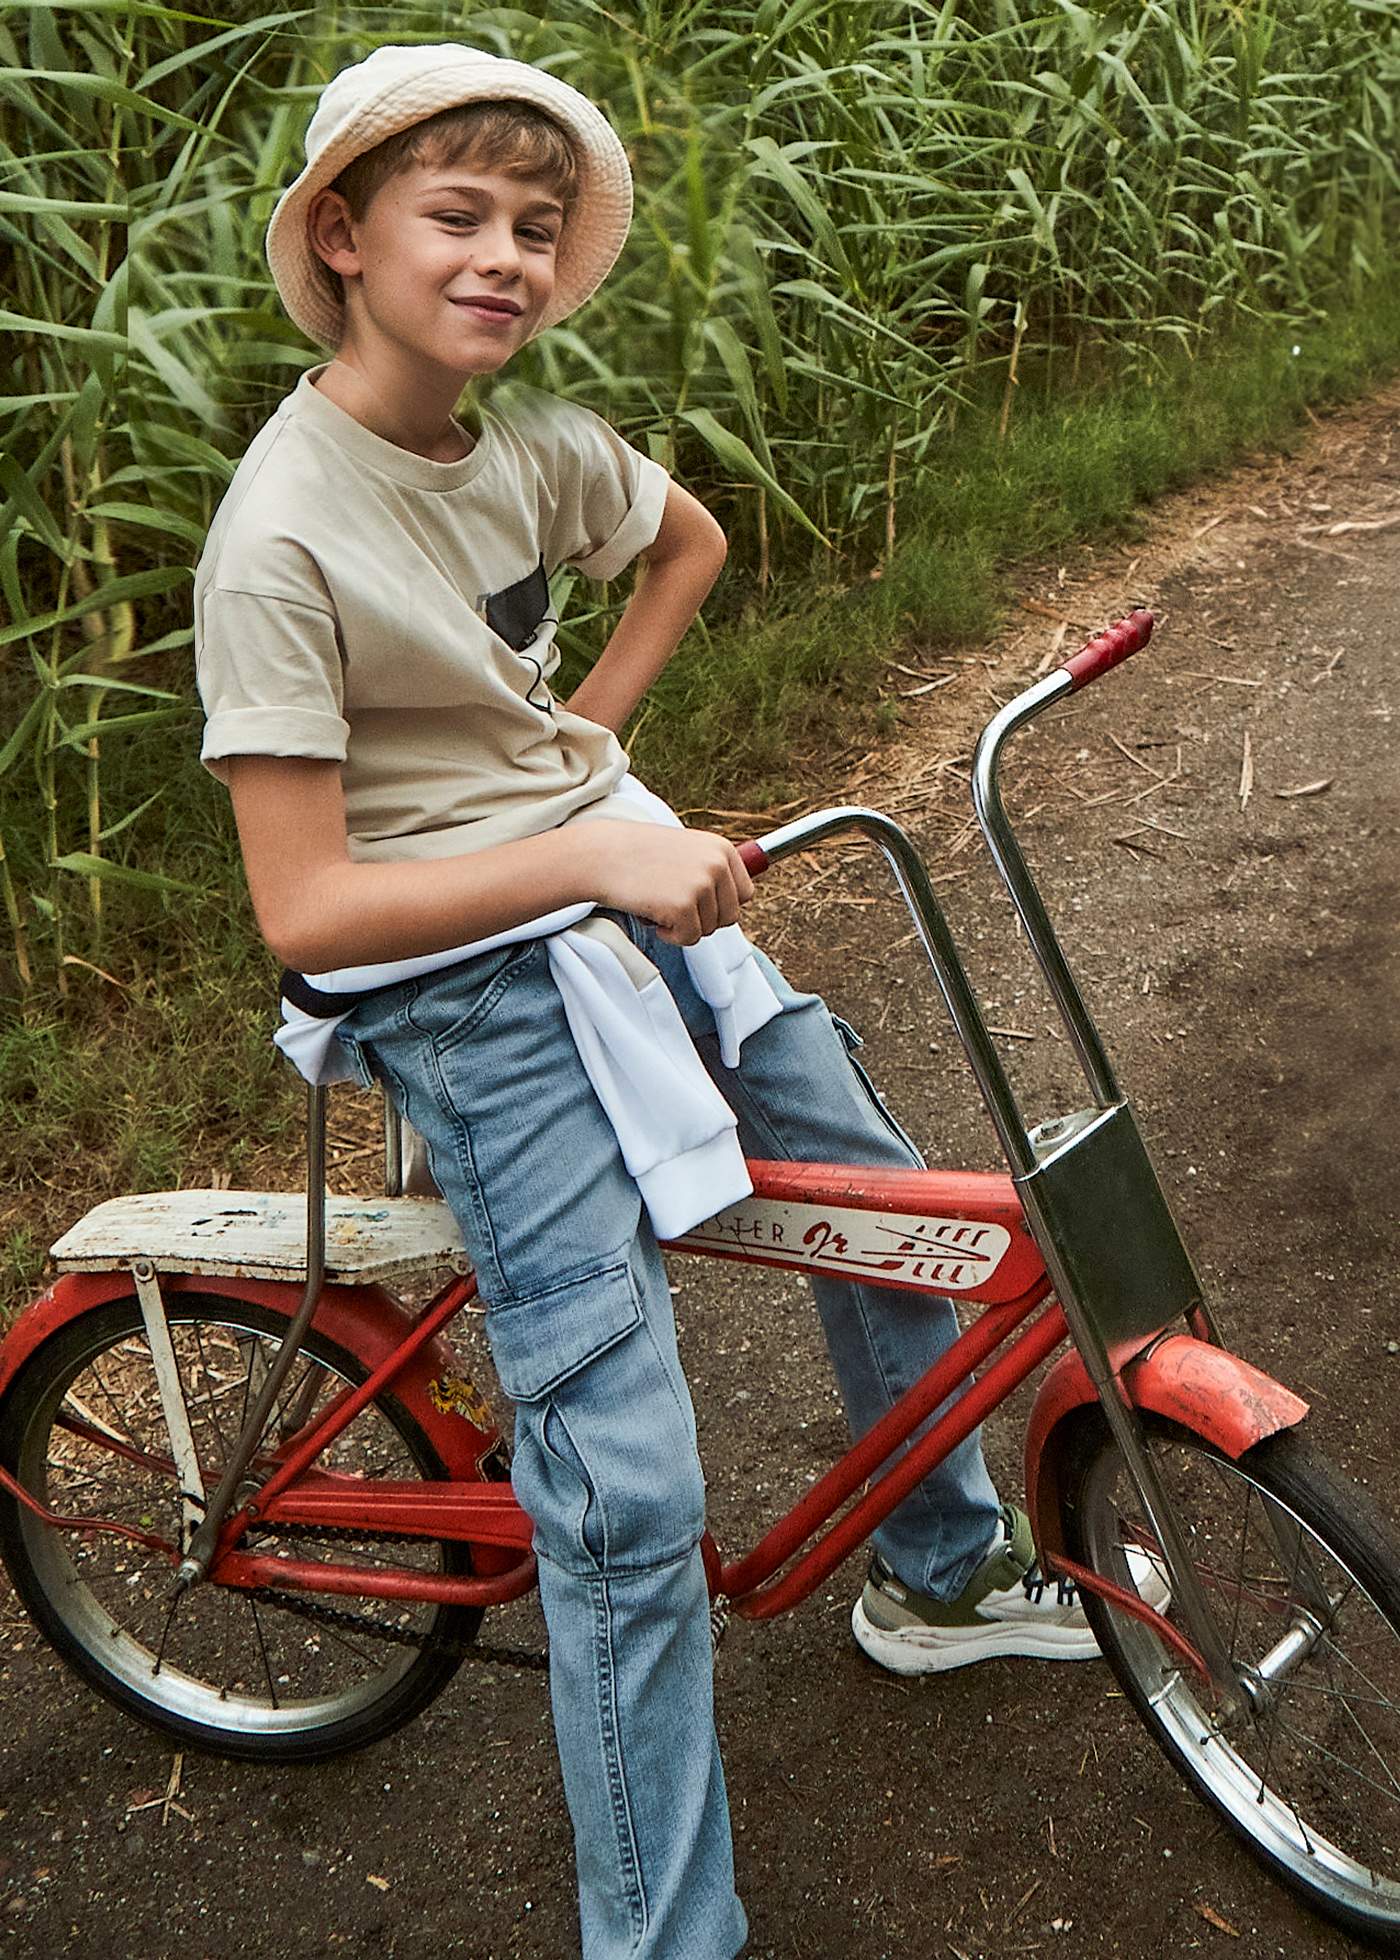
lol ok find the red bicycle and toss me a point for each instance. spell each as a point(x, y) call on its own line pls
point(253, 1497)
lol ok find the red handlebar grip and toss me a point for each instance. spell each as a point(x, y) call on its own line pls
point(1130, 635)
point(754, 856)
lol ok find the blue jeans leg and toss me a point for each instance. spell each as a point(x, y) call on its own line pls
point(481, 1062)
point(800, 1095)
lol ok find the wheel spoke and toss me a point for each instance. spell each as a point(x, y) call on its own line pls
point(1296, 1687)
point(173, 1609)
point(210, 1398)
point(341, 1639)
point(1350, 1714)
point(213, 1663)
point(117, 1413)
point(1340, 1655)
point(1311, 1779)
point(262, 1649)
point(1239, 1589)
point(1340, 1762)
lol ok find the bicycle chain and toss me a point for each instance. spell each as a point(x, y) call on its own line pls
point(334, 1616)
point(440, 1643)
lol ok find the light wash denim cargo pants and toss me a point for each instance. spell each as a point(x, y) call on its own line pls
point(480, 1060)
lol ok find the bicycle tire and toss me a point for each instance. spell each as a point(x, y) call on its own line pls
point(1309, 1778)
point(216, 1673)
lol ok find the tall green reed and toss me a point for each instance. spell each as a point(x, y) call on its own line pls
point(860, 223)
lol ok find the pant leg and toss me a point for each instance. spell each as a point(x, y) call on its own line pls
point(578, 1313)
point(800, 1094)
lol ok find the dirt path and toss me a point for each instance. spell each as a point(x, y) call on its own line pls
point(1242, 956)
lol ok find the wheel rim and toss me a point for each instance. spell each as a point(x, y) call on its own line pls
point(218, 1659)
point(1311, 1774)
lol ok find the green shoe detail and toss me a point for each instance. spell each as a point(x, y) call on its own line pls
point(1006, 1608)
point(891, 1604)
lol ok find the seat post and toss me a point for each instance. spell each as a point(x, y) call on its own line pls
point(406, 1170)
point(393, 1150)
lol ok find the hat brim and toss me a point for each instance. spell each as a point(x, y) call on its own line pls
point(593, 234)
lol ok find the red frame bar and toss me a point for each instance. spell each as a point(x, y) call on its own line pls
point(1130, 1602)
point(59, 1523)
point(971, 1197)
point(472, 1513)
point(1001, 1379)
point(245, 1571)
point(830, 1491)
point(343, 1410)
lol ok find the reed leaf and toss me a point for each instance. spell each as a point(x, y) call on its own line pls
point(864, 227)
point(92, 866)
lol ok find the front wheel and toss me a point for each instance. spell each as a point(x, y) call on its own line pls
point(81, 1428)
point(1303, 1575)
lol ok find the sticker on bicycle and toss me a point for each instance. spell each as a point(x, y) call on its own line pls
point(453, 1394)
point(953, 1254)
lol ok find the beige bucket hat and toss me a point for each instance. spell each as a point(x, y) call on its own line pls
point(400, 85)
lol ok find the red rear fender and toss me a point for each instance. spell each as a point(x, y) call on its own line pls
point(366, 1320)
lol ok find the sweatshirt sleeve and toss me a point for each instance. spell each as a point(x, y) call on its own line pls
point(270, 678)
point(608, 496)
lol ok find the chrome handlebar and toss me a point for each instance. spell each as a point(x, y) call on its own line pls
point(1092, 660)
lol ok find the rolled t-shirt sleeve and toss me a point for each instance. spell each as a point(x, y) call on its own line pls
point(270, 678)
point(610, 497)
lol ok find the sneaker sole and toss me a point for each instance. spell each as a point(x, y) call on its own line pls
point(938, 1650)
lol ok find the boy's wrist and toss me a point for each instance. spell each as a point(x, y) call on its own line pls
point(584, 848)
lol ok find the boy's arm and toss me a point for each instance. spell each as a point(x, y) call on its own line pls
point(679, 568)
point(318, 910)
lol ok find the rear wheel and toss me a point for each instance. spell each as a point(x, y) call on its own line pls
point(82, 1428)
point(1304, 1578)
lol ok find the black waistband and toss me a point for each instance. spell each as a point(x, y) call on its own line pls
point(297, 989)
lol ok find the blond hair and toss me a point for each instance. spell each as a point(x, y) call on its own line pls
point(512, 137)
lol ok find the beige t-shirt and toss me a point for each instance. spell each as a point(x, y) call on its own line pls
point(359, 602)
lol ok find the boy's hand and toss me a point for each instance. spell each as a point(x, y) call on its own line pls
point(687, 882)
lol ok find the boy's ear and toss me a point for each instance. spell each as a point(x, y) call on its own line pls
point(329, 229)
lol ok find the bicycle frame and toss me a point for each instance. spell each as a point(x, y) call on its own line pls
point(1081, 1215)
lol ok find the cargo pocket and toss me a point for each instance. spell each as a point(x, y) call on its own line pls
point(851, 1042)
point(537, 1343)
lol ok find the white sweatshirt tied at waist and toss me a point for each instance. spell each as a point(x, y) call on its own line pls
point(677, 1135)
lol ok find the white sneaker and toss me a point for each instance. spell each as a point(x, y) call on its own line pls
point(1007, 1607)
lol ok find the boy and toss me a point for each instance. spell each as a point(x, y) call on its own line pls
point(374, 649)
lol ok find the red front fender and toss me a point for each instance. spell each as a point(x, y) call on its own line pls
point(1204, 1388)
point(366, 1320)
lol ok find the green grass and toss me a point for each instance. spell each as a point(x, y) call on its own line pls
point(170, 1075)
point(1077, 465)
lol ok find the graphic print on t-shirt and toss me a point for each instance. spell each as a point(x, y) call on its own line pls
point(516, 615)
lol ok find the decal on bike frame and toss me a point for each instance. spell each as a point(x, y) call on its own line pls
point(952, 1254)
point(453, 1394)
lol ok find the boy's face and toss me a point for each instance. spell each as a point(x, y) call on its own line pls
point(454, 263)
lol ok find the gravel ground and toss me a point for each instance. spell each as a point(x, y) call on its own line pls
point(1240, 953)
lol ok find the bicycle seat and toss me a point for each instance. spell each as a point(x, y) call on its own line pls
point(262, 1235)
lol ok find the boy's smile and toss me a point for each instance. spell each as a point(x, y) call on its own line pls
point(446, 275)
